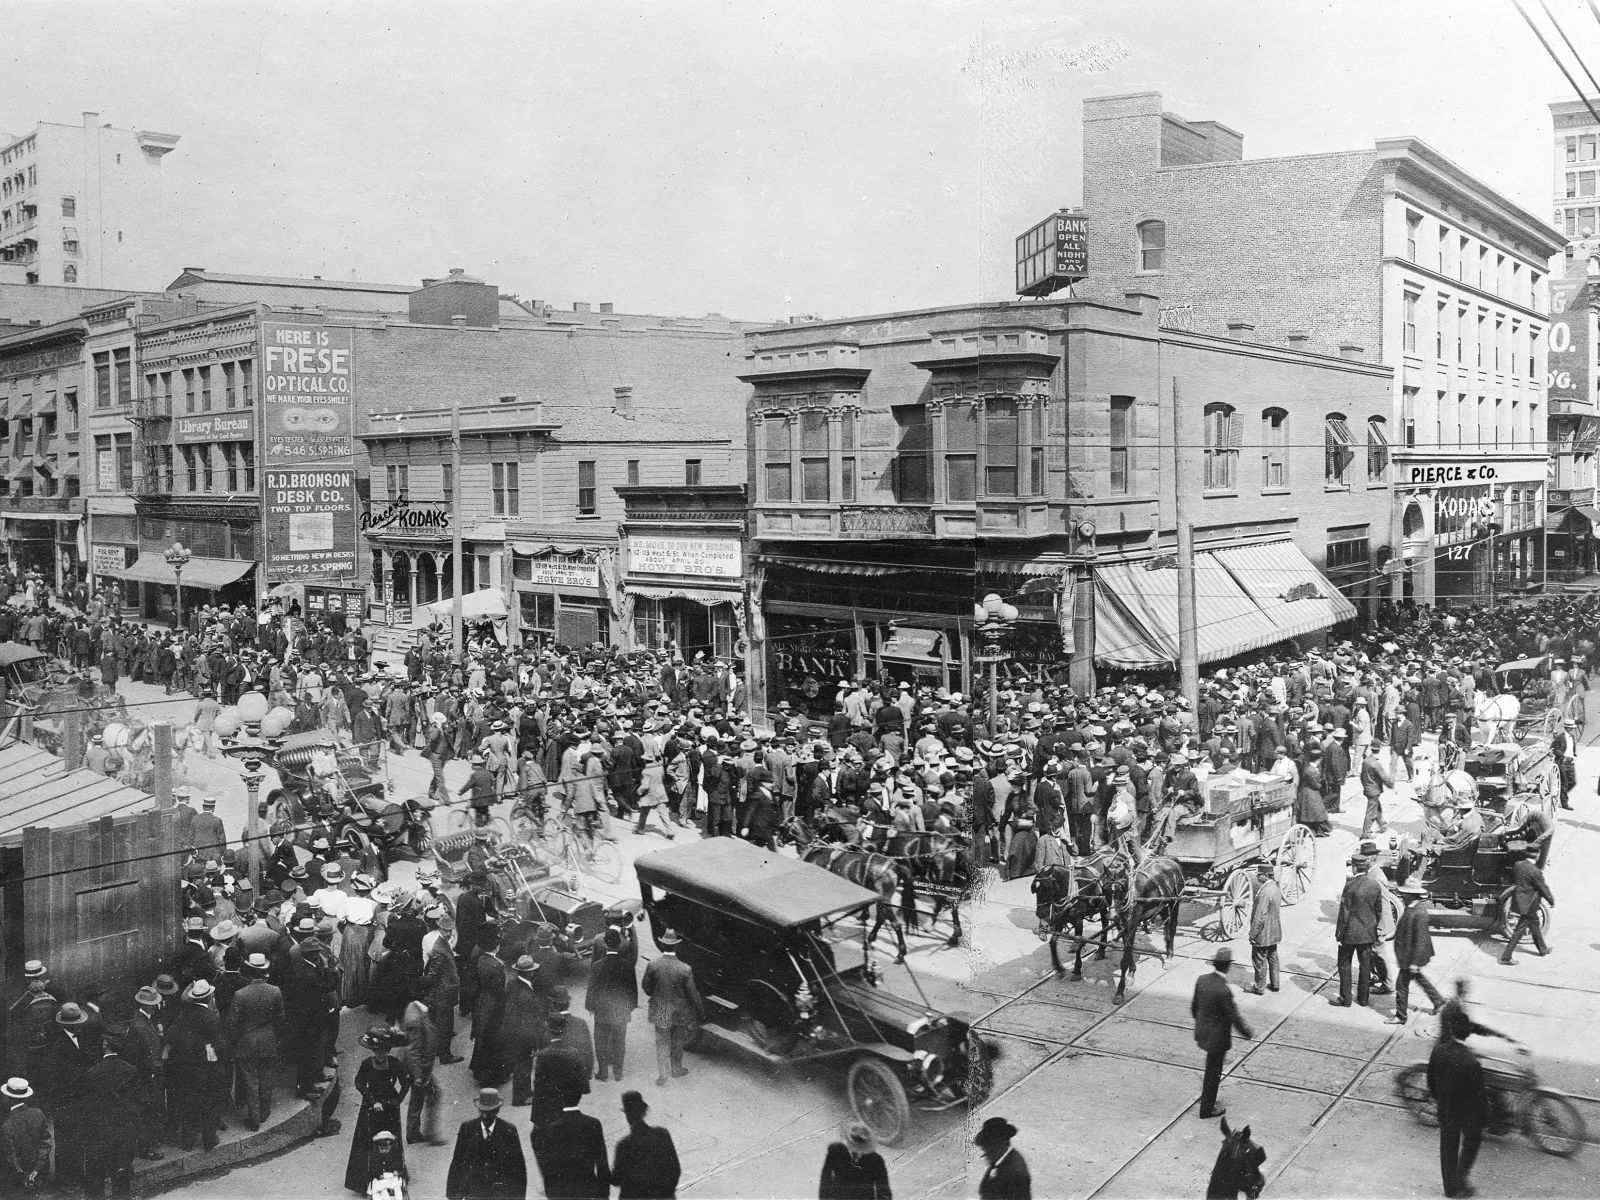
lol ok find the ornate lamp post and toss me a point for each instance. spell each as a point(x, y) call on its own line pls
point(992, 621)
point(252, 814)
point(178, 556)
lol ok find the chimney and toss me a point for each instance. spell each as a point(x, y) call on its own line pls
point(1148, 303)
point(1298, 339)
point(1240, 331)
point(459, 320)
point(1350, 350)
point(90, 120)
point(512, 399)
point(318, 277)
point(454, 271)
point(606, 307)
point(580, 306)
point(429, 282)
point(623, 406)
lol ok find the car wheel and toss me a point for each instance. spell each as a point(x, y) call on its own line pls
point(878, 1100)
point(1411, 1089)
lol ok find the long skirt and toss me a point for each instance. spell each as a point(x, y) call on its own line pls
point(358, 1172)
point(1308, 808)
point(355, 964)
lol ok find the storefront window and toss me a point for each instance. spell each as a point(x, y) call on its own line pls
point(724, 631)
point(649, 623)
point(538, 613)
point(807, 659)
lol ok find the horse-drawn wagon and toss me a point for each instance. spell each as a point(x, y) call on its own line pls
point(1242, 821)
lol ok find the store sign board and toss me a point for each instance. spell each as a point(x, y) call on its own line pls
point(108, 560)
point(309, 518)
point(407, 517)
point(307, 393)
point(214, 427)
point(565, 574)
point(1469, 473)
point(1568, 375)
point(717, 558)
point(919, 644)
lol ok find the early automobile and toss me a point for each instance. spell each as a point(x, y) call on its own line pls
point(760, 931)
point(331, 790)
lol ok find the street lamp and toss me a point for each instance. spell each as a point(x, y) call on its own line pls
point(992, 620)
point(253, 813)
point(178, 556)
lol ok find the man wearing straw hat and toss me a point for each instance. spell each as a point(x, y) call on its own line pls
point(25, 1140)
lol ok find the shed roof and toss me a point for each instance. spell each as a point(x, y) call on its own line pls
point(36, 789)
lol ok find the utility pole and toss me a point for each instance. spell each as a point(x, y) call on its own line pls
point(1188, 641)
point(457, 634)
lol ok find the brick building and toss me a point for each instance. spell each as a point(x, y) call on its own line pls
point(1392, 253)
point(905, 464)
point(41, 512)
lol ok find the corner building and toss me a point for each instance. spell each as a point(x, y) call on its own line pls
point(1393, 254)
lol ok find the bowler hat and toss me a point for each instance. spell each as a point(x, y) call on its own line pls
point(669, 937)
point(147, 996)
point(488, 1100)
point(995, 1129)
point(71, 1014)
point(1223, 958)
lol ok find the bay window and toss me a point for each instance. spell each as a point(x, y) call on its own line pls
point(778, 465)
point(1000, 448)
point(960, 452)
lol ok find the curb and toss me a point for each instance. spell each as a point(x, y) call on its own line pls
point(300, 1125)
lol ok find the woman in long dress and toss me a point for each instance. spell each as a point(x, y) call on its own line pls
point(1308, 807)
point(356, 937)
point(383, 1083)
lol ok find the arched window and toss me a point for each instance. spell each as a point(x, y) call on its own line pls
point(1377, 450)
point(69, 273)
point(1224, 433)
point(1152, 245)
point(1340, 451)
point(1274, 449)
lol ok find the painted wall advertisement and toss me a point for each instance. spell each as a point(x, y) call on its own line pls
point(1569, 378)
point(310, 523)
point(307, 393)
point(717, 558)
point(215, 427)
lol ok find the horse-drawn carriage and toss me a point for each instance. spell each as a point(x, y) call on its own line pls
point(1241, 822)
point(756, 927)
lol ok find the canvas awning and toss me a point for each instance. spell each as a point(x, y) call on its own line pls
point(208, 574)
point(1281, 580)
point(1586, 512)
point(475, 606)
point(706, 596)
point(1245, 597)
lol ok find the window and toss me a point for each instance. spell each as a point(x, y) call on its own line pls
point(188, 389)
point(105, 463)
point(1223, 434)
point(102, 380)
point(1499, 418)
point(779, 465)
point(1413, 224)
point(166, 393)
point(586, 497)
point(398, 478)
point(1408, 417)
point(1516, 421)
point(1533, 353)
point(691, 472)
point(1274, 449)
point(1410, 325)
point(247, 466)
point(245, 398)
point(1462, 259)
point(483, 582)
point(122, 362)
point(1378, 448)
point(1479, 441)
point(205, 455)
point(1572, 149)
point(1483, 267)
point(1339, 451)
point(649, 623)
point(503, 487)
point(69, 273)
point(1438, 330)
point(814, 455)
point(910, 475)
point(1585, 183)
point(633, 472)
point(1347, 548)
point(1439, 423)
point(69, 410)
point(1483, 327)
point(1499, 336)
point(1572, 219)
point(847, 457)
point(960, 458)
point(539, 608)
point(205, 389)
point(69, 206)
point(1000, 448)
point(1152, 245)
point(448, 474)
point(1444, 248)
point(1572, 185)
point(230, 465)
point(230, 395)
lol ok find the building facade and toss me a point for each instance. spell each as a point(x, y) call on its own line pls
point(41, 496)
point(82, 205)
point(904, 465)
point(1394, 254)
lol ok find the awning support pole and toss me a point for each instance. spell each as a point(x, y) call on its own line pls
point(457, 634)
point(1188, 640)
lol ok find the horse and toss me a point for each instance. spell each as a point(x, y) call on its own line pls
point(1153, 887)
point(1496, 717)
point(942, 861)
point(1067, 896)
point(866, 868)
point(1238, 1166)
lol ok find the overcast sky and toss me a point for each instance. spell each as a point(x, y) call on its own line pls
point(746, 158)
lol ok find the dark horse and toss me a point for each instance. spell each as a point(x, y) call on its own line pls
point(866, 868)
point(1126, 899)
point(1238, 1166)
point(943, 863)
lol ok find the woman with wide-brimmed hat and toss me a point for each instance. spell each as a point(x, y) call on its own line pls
point(383, 1083)
point(853, 1169)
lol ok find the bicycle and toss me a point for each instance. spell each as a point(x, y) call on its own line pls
point(586, 851)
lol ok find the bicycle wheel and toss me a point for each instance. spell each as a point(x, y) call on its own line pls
point(459, 820)
point(1553, 1123)
point(526, 827)
point(1411, 1089)
point(501, 828)
point(604, 862)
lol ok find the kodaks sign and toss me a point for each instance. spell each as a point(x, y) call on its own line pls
point(406, 516)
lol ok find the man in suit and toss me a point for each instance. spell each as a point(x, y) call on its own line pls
point(488, 1063)
point(488, 1162)
point(675, 1006)
point(1266, 930)
point(523, 1030)
point(25, 1139)
point(1357, 932)
point(441, 990)
point(421, 1050)
point(1215, 1018)
point(646, 1166)
point(1528, 886)
point(111, 1090)
point(612, 995)
point(571, 1153)
point(560, 1076)
point(1455, 1077)
point(250, 1032)
point(1413, 950)
point(1007, 1176)
point(142, 1047)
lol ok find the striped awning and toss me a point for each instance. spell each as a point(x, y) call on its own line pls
point(1294, 594)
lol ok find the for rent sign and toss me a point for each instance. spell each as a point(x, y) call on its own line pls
point(307, 393)
point(310, 522)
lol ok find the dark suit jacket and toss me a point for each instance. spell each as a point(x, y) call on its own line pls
point(1527, 886)
point(1359, 907)
point(646, 1165)
point(674, 999)
point(1413, 943)
point(1215, 1014)
point(254, 1022)
point(487, 1169)
point(1455, 1077)
point(613, 991)
point(1007, 1180)
point(571, 1152)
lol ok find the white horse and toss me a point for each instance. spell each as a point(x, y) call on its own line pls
point(1495, 718)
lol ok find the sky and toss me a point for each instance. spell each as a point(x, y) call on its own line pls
point(752, 159)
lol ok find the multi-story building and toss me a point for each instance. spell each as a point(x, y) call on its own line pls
point(1392, 253)
point(905, 464)
point(41, 512)
point(1574, 415)
point(82, 205)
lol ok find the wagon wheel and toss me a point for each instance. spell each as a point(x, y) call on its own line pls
point(1392, 903)
point(878, 1100)
point(1233, 907)
point(1296, 863)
